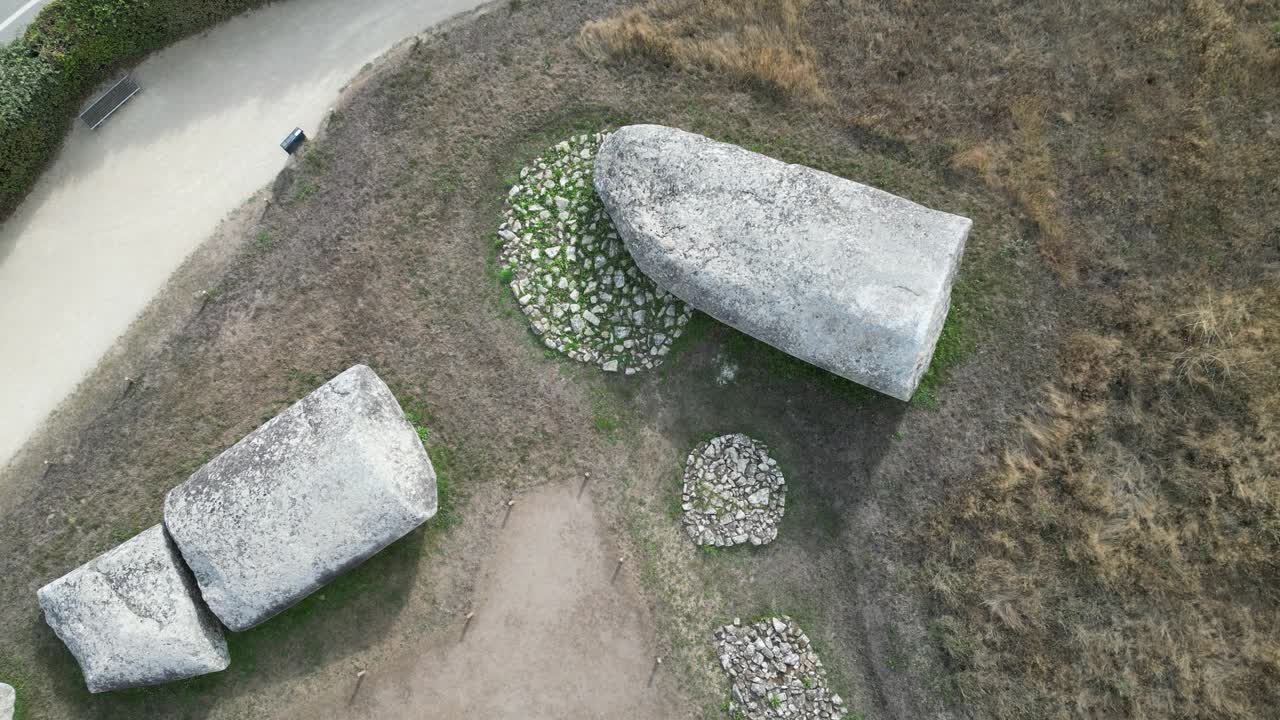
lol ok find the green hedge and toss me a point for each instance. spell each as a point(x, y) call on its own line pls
point(67, 52)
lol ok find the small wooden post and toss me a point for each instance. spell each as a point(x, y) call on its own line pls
point(657, 664)
point(466, 625)
point(359, 681)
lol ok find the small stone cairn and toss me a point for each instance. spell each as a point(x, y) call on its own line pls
point(733, 492)
point(775, 673)
point(572, 276)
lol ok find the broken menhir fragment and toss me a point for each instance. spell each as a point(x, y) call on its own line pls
point(841, 275)
point(133, 617)
point(315, 491)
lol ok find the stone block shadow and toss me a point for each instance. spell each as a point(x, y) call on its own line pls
point(829, 434)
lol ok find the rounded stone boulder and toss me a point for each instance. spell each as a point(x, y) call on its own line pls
point(133, 617)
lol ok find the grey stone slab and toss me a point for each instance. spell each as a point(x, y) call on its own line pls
point(8, 700)
point(133, 617)
point(315, 491)
point(839, 274)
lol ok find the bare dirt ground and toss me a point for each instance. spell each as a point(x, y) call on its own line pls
point(559, 631)
point(377, 245)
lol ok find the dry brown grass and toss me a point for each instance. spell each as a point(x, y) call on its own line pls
point(1122, 560)
point(759, 42)
point(1023, 167)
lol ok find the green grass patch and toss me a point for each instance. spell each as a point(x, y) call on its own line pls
point(317, 158)
point(606, 415)
point(697, 331)
point(954, 343)
point(264, 242)
point(758, 361)
point(306, 381)
point(14, 673)
point(305, 188)
point(898, 657)
point(446, 181)
point(808, 512)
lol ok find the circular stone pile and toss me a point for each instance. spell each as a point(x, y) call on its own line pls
point(733, 492)
point(571, 274)
point(774, 672)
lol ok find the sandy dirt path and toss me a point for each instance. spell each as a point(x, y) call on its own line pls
point(556, 634)
point(122, 206)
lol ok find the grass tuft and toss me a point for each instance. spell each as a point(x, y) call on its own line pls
point(1023, 167)
point(605, 414)
point(759, 42)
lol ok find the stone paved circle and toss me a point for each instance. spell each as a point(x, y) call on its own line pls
point(774, 672)
point(573, 278)
point(733, 492)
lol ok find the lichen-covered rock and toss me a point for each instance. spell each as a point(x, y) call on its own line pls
point(133, 617)
point(839, 274)
point(774, 672)
point(315, 491)
point(734, 493)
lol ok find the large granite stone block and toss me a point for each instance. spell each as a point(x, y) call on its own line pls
point(315, 491)
point(839, 274)
point(133, 617)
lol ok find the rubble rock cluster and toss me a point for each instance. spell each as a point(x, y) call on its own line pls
point(733, 492)
point(774, 672)
point(574, 280)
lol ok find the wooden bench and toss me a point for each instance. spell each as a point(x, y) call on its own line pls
point(110, 101)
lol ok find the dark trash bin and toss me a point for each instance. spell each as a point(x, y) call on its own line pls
point(293, 141)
